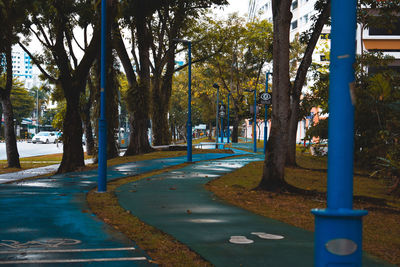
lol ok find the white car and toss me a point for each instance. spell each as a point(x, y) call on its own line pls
point(44, 137)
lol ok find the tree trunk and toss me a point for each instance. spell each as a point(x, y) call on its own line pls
point(111, 107)
point(274, 164)
point(299, 82)
point(235, 131)
point(210, 131)
point(72, 135)
point(161, 95)
point(90, 149)
point(9, 133)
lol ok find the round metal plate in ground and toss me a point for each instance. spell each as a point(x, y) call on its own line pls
point(239, 239)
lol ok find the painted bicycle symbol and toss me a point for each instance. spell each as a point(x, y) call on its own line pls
point(49, 243)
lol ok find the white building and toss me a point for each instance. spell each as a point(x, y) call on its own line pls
point(23, 69)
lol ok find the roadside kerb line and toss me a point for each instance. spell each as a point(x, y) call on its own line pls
point(73, 260)
point(63, 250)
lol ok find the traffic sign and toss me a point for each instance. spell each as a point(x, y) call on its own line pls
point(266, 98)
point(221, 109)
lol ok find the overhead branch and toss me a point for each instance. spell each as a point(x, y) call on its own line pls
point(37, 63)
point(119, 46)
point(312, 42)
point(200, 59)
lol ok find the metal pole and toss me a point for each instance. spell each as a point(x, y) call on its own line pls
point(216, 117)
point(266, 116)
point(189, 122)
point(229, 131)
point(37, 110)
point(102, 167)
point(338, 228)
point(255, 121)
point(222, 125)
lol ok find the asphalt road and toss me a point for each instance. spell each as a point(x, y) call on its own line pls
point(26, 149)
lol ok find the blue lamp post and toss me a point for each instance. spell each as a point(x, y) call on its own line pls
point(254, 119)
point(338, 228)
point(189, 120)
point(215, 85)
point(266, 114)
point(229, 131)
point(222, 122)
point(102, 154)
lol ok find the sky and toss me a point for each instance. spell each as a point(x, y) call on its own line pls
point(240, 6)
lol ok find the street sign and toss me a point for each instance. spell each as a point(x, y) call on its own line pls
point(221, 109)
point(265, 98)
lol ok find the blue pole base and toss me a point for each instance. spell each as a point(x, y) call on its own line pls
point(102, 157)
point(338, 237)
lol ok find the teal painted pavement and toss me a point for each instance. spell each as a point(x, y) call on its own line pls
point(177, 203)
point(47, 221)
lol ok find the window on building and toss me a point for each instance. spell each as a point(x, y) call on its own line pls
point(295, 4)
point(323, 58)
point(325, 36)
point(305, 19)
point(393, 29)
point(294, 25)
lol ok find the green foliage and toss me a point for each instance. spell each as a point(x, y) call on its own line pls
point(58, 119)
point(23, 103)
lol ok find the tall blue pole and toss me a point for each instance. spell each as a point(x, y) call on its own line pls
point(266, 115)
point(229, 131)
point(222, 125)
point(255, 122)
point(102, 154)
point(338, 228)
point(189, 121)
point(216, 116)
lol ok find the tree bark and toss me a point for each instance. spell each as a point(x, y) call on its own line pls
point(9, 133)
point(72, 136)
point(274, 164)
point(299, 82)
point(90, 149)
point(139, 95)
point(235, 131)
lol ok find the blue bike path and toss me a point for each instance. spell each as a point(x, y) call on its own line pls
point(47, 221)
point(177, 203)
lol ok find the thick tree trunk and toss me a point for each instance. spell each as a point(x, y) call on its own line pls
point(9, 133)
point(299, 82)
point(111, 108)
point(274, 164)
point(72, 135)
point(11, 141)
point(139, 140)
point(161, 96)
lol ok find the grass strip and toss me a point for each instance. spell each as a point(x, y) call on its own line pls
point(381, 231)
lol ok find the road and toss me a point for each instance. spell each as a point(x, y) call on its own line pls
point(26, 149)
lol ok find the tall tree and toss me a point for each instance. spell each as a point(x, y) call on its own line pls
point(241, 51)
point(54, 23)
point(12, 15)
point(311, 38)
point(274, 164)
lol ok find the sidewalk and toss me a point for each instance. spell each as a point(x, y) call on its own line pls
point(15, 176)
point(47, 221)
point(177, 203)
